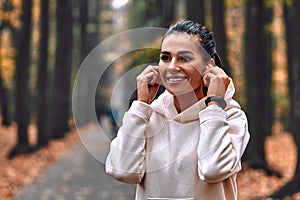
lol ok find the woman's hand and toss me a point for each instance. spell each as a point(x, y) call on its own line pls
point(147, 84)
point(216, 80)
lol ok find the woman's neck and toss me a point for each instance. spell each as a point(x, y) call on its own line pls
point(184, 101)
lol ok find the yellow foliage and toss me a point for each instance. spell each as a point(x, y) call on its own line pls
point(7, 57)
point(17, 3)
point(36, 10)
point(12, 16)
point(7, 69)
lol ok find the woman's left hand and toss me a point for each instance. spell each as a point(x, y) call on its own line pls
point(216, 80)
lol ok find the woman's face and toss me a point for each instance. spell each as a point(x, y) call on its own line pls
point(181, 65)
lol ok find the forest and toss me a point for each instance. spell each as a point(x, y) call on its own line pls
point(43, 44)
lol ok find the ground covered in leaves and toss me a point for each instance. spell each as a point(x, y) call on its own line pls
point(253, 184)
point(23, 169)
point(281, 154)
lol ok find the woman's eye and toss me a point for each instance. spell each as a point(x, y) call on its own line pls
point(165, 58)
point(184, 58)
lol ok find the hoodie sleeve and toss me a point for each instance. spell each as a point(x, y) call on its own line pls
point(223, 139)
point(125, 160)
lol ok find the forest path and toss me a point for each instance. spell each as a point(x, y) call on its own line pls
point(78, 176)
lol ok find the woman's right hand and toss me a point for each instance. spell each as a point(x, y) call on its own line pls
point(147, 84)
point(216, 80)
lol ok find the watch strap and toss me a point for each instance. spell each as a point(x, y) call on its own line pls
point(218, 99)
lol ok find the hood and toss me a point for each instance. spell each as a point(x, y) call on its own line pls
point(164, 105)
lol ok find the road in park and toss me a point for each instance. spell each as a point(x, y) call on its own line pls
point(78, 176)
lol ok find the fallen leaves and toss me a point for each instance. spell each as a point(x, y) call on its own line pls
point(281, 155)
point(23, 169)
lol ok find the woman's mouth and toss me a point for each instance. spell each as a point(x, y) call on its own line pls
point(176, 79)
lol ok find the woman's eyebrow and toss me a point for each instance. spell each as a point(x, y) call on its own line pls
point(185, 52)
point(165, 52)
point(178, 53)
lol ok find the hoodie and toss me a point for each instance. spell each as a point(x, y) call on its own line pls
point(193, 154)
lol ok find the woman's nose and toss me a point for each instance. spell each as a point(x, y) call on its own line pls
point(174, 66)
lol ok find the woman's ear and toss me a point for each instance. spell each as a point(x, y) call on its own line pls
point(212, 62)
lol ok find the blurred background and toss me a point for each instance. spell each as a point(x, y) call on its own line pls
point(43, 43)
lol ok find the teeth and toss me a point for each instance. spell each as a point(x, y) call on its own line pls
point(175, 79)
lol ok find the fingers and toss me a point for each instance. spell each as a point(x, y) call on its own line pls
point(150, 75)
point(215, 70)
point(216, 80)
point(148, 83)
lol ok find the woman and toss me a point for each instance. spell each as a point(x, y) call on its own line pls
point(187, 143)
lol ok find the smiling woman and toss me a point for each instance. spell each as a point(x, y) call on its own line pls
point(193, 135)
point(182, 66)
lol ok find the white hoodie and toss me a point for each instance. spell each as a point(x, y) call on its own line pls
point(194, 154)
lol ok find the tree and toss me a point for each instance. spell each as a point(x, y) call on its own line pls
point(219, 32)
point(293, 41)
point(167, 11)
point(22, 111)
point(42, 120)
point(196, 11)
point(258, 80)
point(83, 9)
point(89, 38)
point(152, 13)
point(3, 91)
point(62, 74)
point(89, 17)
point(4, 100)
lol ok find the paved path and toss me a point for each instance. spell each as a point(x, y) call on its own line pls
point(78, 176)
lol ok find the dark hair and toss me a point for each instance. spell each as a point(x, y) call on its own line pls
point(205, 36)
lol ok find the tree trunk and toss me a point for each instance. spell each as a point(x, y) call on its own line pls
point(219, 32)
point(42, 120)
point(3, 91)
point(62, 73)
point(89, 17)
point(4, 103)
point(22, 111)
point(257, 71)
point(83, 32)
point(196, 11)
point(89, 39)
point(293, 41)
point(167, 8)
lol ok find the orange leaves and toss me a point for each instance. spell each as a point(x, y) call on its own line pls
point(7, 57)
point(24, 169)
point(12, 15)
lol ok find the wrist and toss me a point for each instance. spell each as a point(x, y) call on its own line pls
point(216, 100)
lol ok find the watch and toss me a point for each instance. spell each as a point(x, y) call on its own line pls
point(219, 100)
